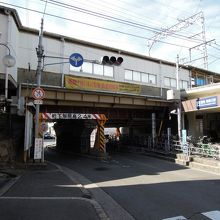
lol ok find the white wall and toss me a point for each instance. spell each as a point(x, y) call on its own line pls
point(24, 45)
point(8, 36)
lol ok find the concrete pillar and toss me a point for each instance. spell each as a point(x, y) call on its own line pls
point(153, 128)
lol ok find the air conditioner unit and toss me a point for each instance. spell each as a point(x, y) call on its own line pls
point(173, 94)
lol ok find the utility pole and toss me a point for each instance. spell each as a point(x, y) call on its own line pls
point(179, 101)
point(40, 52)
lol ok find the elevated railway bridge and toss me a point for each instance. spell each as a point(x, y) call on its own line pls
point(132, 111)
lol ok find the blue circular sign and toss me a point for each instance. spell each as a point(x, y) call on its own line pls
point(76, 60)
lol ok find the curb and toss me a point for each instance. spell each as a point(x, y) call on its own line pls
point(8, 185)
point(87, 196)
point(86, 193)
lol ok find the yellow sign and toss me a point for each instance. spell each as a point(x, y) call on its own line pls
point(72, 82)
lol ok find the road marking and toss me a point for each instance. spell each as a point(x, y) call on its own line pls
point(43, 198)
point(214, 215)
point(176, 218)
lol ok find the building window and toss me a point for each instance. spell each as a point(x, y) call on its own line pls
point(183, 84)
point(87, 67)
point(173, 83)
point(94, 68)
point(200, 81)
point(166, 81)
point(152, 79)
point(140, 77)
point(145, 77)
point(108, 71)
point(98, 69)
point(169, 82)
point(136, 76)
point(128, 74)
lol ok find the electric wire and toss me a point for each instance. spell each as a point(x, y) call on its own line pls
point(118, 20)
point(96, 26)
point(133, 35)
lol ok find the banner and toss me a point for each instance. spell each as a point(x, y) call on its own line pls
point(72, 82)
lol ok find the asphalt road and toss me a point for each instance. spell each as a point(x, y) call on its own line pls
point(148, 188)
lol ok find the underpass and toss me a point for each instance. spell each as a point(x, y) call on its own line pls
point(75, 114)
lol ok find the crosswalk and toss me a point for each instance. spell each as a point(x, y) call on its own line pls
point(213, 215)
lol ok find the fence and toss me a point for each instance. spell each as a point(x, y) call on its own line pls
point(208, 150)
point(163, 144)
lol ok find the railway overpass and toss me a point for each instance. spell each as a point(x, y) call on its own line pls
point(132, 109)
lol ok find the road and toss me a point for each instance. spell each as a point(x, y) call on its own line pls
point(146, 187)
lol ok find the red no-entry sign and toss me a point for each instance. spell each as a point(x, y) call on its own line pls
point(38, 93)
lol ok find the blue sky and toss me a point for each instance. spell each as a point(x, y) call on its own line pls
point(134, 24)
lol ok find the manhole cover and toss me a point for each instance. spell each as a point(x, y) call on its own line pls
point(101, 168)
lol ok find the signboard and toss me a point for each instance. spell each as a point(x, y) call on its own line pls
point(100, 85)
point(76, 60)
point(28, 137)
point(70, 116)
point(184, 143)
point(206, 102)
point(38, 147)
point(38, 93)
point(38, 102)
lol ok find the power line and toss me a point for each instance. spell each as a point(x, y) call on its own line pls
point(95, 26)
point(118, 20)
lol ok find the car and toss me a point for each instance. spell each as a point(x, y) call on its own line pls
point(49, 136)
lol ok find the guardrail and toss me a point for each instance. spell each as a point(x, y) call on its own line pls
point(199, 149)
point(209, 150)
point(206, 150)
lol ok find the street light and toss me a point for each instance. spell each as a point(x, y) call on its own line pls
point(8, 61)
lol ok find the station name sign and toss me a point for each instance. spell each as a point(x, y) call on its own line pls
point(206, 102)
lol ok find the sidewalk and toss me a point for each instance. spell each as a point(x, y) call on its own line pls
point(46, 194)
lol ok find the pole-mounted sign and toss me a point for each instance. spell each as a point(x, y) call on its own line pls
point(76, 60)
point(38, 93)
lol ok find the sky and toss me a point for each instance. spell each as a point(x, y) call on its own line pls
point(161, 29)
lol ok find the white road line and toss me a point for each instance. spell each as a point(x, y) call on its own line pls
point(43, 198)
point(176, 218)
point(214, 215)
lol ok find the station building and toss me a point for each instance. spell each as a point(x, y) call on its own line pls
point(132, 92)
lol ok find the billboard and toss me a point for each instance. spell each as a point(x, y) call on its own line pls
point(81, 83)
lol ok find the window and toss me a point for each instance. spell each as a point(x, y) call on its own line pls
point(108, 71)
point(128, 74)
point(136, 76)
point(169, 82)
point(183, 84)
point(76, 69)
point(152, 79)
point(87, 67)
point(98, 69)
point(94, 68)
point(140, 77)
point(144, 77)
point(173, 83)
point(200, 81)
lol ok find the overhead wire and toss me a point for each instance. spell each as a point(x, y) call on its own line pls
point(108, 29)
point(118, 20)
point(96, 26)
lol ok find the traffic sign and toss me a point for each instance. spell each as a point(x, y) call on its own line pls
point(76, 60)
point(38, 93)
point(38, 102)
